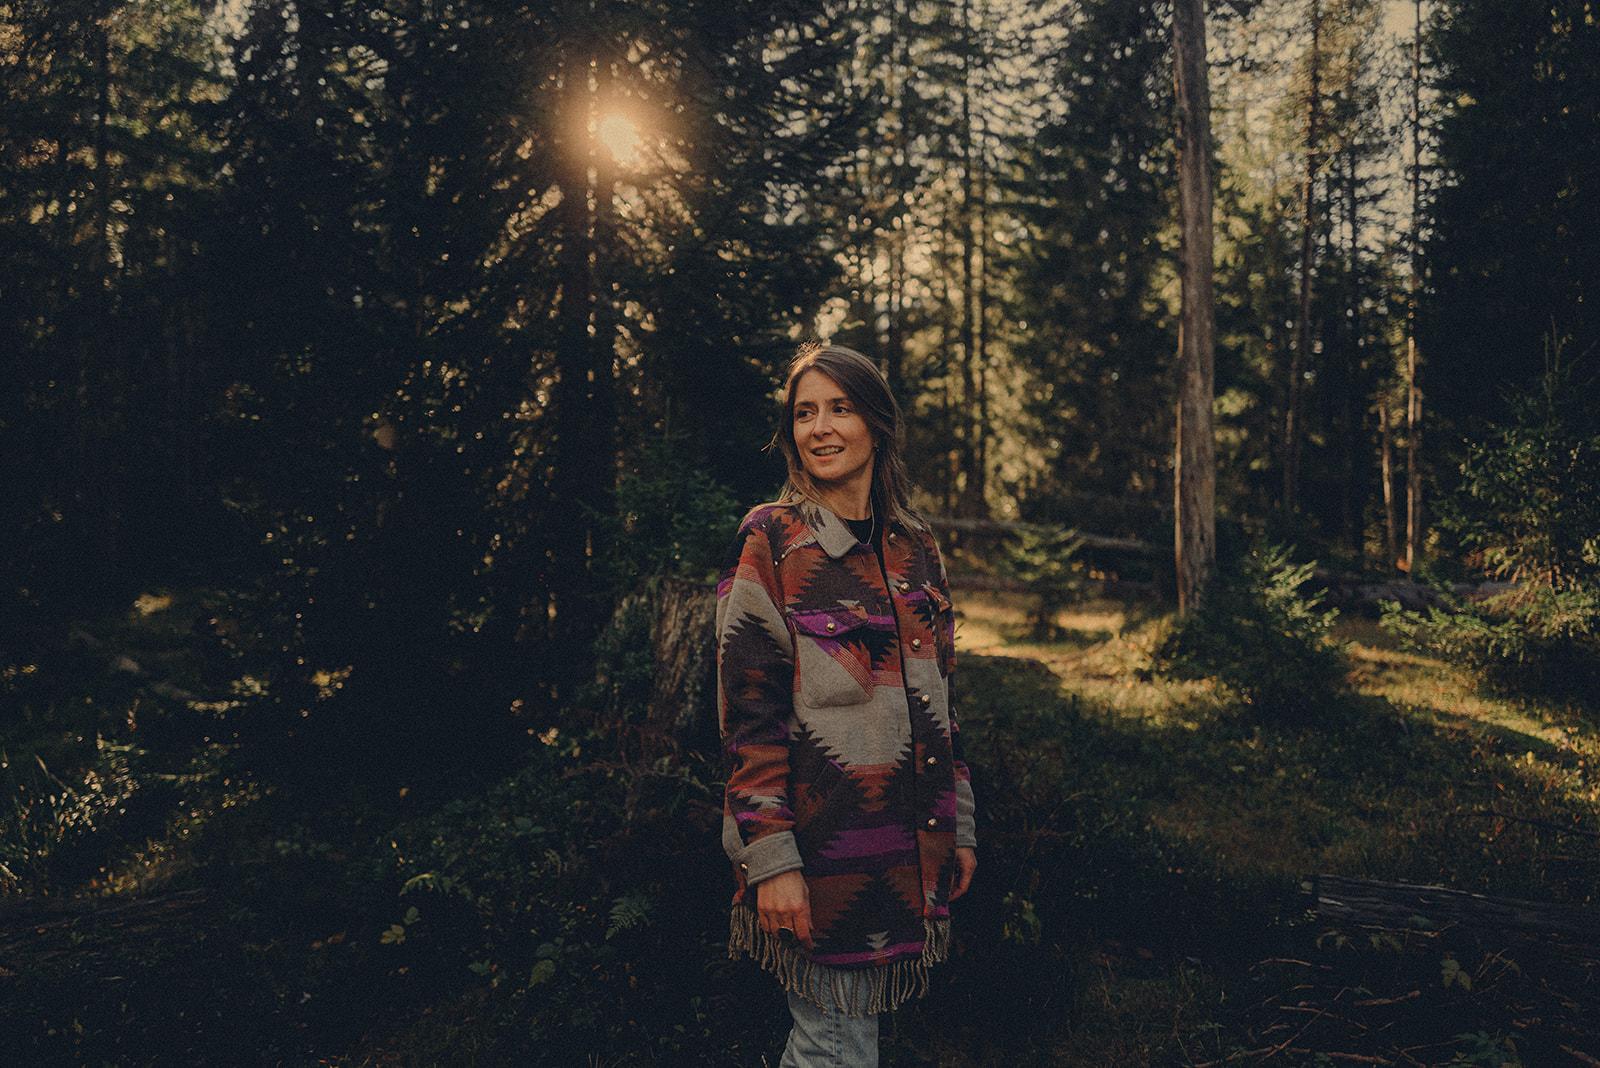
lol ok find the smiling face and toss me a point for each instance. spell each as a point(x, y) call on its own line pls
point(834, 441)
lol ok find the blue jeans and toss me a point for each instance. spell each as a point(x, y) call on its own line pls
point(827, 1038)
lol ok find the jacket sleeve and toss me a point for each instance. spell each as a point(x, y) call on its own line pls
point(966, 803)
point(755, 703)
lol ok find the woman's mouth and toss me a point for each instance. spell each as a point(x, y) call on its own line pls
point(827, 450)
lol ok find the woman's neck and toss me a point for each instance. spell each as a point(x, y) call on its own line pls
point(853, 501)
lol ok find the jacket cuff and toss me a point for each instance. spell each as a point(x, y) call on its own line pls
point(966, 823)
point(769, 855)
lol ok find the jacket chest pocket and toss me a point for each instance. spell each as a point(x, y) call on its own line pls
point(835, 650)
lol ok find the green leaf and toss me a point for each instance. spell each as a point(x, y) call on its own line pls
point(543, 971)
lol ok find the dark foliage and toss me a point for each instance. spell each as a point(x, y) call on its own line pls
point(1527, 512)
point(1514, 251)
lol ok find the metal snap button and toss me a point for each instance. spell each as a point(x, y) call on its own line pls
point(932, 822)
point(832, 625)
point(932, 761)
point(927, 699)
point(916, 643)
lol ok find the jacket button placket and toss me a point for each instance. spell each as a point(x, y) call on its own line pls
point(930, 823)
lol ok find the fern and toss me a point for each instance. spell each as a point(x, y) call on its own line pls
point(628, 912)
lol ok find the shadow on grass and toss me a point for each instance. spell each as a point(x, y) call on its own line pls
point(1138, 870)
point(1138, 901)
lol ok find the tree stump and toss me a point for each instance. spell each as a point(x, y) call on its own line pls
point(656, 669)
point(683, 692)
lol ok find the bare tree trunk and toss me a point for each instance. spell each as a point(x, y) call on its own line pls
point(899, 73)
point(1301, 355)
point(1352, 499)
point(1391, 532)
point(969, 387)
point(583, 459)
point(1413, 357)
point(99, 347)
point(950, 457)
point(980, 488)
point(1195, 475)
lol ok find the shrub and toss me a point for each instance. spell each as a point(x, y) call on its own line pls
point(1528, 513)
point(50, 819)
point(1043, 559)
point(1533, 637)
point(573, 895)
point(1259, 635)
point(671, 519)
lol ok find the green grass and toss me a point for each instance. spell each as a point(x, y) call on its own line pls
point(1398, 792)
point(1143, 844)
point(1179, 802)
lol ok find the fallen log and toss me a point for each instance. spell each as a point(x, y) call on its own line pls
point(1344, 589)
point(1367, 902)
point(1001, 527)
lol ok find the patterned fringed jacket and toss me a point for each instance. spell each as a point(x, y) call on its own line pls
point(841, 748)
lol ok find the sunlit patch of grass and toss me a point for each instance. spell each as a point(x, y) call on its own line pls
point(1412, 785)
point(1103, 657)
point(148, 604)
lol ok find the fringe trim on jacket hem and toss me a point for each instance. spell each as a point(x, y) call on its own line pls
point(852, 991)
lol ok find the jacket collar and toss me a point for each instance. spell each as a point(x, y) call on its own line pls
point(833, 533)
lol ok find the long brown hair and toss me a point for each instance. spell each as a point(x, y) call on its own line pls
point(864, 385)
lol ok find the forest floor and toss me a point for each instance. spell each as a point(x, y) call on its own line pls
point(1146, 851)
point(1427, 779)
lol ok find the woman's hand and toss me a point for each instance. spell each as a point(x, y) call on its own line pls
point(783, 901)
point(967, 861)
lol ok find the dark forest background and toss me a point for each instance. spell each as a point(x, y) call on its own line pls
point(380, 359)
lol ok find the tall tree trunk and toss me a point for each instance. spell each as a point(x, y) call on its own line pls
point(1194, 489)
point(1391, 524)
point(99, 349)
point(980, 489)
point(970, 505)
point(1301, 356)
point(950, 456)
point(1351, 495)
point(1413, 357)
point(582, 459)
point(899, 216)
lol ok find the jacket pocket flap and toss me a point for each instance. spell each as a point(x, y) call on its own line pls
point(829, 622)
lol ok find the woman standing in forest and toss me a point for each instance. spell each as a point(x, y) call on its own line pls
point(848, 813)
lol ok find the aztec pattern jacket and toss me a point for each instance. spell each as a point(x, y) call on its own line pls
point(840, 743)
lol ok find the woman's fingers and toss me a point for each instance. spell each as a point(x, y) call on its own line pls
point(802, 926)
point(775, 920)
point(967, 862)
point(783, 902)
